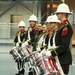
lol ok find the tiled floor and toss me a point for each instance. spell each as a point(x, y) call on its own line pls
point(8, 66)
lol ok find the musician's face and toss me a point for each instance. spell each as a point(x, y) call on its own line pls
point(60, 15)
point(32, 23)
point(48, 25)
point(44, 28)
point(21, 28)
point(39, 27)
point(54, 25)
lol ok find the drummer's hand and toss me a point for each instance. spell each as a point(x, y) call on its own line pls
point(24, 44)
point(38, 49)
point(50, 47)
point(39, 55)
point(17, 44)
point(48, 53)
point(43, 52)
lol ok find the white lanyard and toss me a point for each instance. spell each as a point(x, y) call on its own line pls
point(19, 40)
point(54, 40)
point(29, 35)
point(44, 37)
point(40, 41)
point(54, 44)
point(49, 45)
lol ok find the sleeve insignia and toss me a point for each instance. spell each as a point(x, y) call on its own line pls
point(64, 31)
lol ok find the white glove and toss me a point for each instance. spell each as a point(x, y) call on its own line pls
point(39, 55)
point(50, 47)
point(38, 49)
point(24, 44)
point(17, 44)
point(54, 47)
point(43, 51)
point(27, 40)
point(48, 53)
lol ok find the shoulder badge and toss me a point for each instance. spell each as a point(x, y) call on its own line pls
point(65, 31)
point(17, 34)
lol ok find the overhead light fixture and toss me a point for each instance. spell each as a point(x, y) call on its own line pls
point(48, 5)
point(55, 5)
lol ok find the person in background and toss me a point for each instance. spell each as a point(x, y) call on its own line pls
point(53, 27)
point(30, 35)
point(49, 30)
point(38, 35)
point(45, 32)
point(18, 40)
point(63, 38)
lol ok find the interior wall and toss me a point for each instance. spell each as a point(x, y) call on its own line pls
point(24, 8)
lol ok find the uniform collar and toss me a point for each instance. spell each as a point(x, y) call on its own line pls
point(64, 21)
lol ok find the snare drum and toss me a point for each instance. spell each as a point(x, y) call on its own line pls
point(14, 53)
point(23, 51)
point(48, 65)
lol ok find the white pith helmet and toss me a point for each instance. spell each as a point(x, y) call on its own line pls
point(63, 8)
point(32, 18)
point(48, 19)
point(54, 18)
point(21, 23)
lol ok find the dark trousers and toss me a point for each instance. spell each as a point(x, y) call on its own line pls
point(20, 65)
point(65, 68)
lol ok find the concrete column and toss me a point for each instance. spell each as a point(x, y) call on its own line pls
point(39, 11)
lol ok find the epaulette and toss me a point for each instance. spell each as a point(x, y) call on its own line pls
point(64, 31)
point(17, 34)
point(25, 32)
